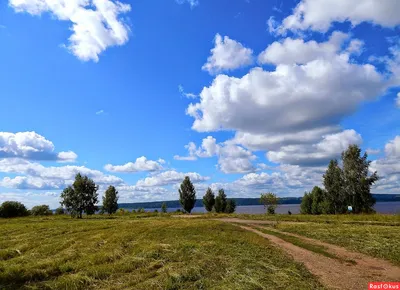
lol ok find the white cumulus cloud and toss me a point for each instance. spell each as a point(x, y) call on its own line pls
point(319, 15)
point(96, 24)
point(228, 54)
point(169, 178)
point(141, 164)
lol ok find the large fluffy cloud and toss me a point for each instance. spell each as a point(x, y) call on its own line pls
point(96, 24)
point(319, 15)
point(228, 54)
point(169, 178)
point(291, 98)
point(320, 153)
point(31, 146)
point(231, 157)
point(141, 164)
point(37, 176)
point(388, 168)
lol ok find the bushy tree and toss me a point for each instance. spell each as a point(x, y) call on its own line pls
point(41, 210)
point(357, 182)
point(81, 197)
point(59, 211)
point(306, 203)
point(164, 207)
point(230, 206)
point(9, 209)
point(317, 195)
point(270, 202)
point(187, 195)
point(334, 189)
point(220, 201)
point(110, 200)
point(209, 200)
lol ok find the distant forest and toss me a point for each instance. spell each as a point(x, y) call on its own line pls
point(243, 201)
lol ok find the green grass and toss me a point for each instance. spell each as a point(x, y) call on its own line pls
point(318, 249)
point(362, 219)
point(141, 252)
point(374, 240)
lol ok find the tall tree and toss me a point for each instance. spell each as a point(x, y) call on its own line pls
point(357, 182)
point(334, 186)
point(270, 202)
point(164, 207)
point(220, 201)
point(306, 203)
point(110, 200)
point(318, 197)
point(187, 195)
point(81, 197)
point(209, 200)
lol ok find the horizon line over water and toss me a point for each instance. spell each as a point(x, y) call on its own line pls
point(391, 207)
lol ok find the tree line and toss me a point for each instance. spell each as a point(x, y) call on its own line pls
point(347, 186)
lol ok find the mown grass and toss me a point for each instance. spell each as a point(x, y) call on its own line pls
point(374, 240)
point(318, 249)
point(362, 219)
point(150, 252)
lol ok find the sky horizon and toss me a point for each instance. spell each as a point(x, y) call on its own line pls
point(249, 95)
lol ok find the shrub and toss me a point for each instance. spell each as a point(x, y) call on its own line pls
point(59, 211)
point(41, 210)
point(230, 206)
point(270, 201)
point(164, 207)
point(10, 209)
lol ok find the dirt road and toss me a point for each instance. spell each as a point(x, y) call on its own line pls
point(333, 273)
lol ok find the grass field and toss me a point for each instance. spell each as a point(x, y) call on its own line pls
point(141, 252)
point(374, 240)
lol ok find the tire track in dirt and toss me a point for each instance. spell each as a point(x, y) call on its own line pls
point(331, 272)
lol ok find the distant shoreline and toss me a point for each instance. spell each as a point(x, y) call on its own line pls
point(242, 202)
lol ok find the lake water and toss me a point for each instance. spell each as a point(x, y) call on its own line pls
point(380, 207)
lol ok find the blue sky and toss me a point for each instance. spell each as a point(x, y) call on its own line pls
point(251, 96)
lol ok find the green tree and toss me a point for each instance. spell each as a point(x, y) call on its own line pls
point(9, 209)
point(334, 187)
point(187, 195)
point(220, 201)
point(59, 211)
point(270, 202)
point(357, 182)
point(164, 207)
point(318, 197)
point(209, 200)
point(230, 206)
point(81, 197)
point(110, 200)
point(306, 203)
point(41, 210)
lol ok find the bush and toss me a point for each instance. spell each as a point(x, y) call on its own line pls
point(230, 206)
point(41, 210)
point(121, 211)
point(10, 209)
point(59, 211)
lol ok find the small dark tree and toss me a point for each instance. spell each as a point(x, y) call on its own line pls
point(80, 197)
point(209, 200)
point(270, 202)
point(187, 195)
point(306, 203)
point(110, 200)
point(10, 209)
point(220, 201)
point(41, 210)
point(59, 211)
point(164, 207)
point(230, 206)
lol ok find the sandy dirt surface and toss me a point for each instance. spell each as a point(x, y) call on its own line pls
point(333, 273)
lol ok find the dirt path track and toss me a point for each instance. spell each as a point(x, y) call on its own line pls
point(331, 272)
